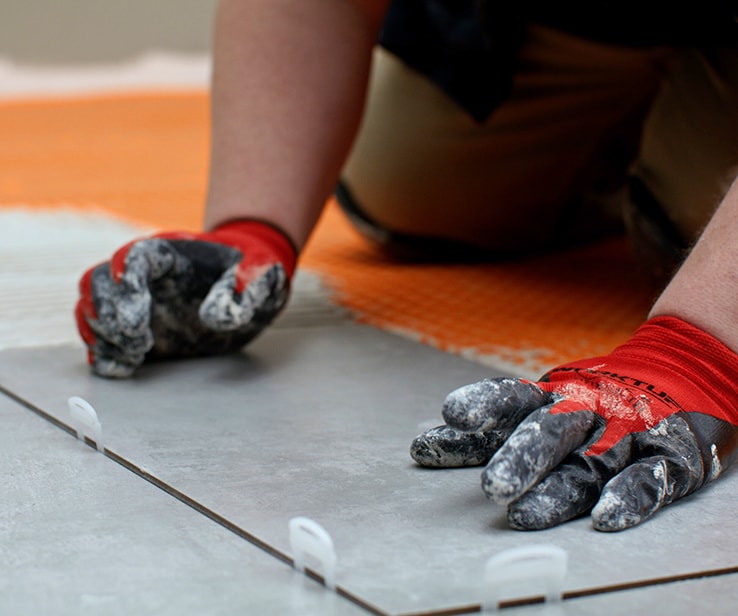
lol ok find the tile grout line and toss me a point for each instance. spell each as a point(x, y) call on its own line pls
point(658, 581)
point(581, 594)
point(193, 504)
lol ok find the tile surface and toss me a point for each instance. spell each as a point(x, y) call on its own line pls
point(80, 534)
point(44, 253)
point(317, 421)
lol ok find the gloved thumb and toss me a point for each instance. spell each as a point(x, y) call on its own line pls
point(232, 302)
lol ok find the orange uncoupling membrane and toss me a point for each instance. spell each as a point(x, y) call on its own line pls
point(526, 315)
point(144, 158)
point(141, 157)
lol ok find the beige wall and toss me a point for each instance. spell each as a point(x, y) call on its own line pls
point(76, 31)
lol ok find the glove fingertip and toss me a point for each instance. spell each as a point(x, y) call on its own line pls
point(529, 517)
point(500, 485)
point(220, 310)
point(490, 404)
point(634, 495)
point(466, 408)
point(612, 514)
point(444, 447)
point(422, 452)
point(111, 369)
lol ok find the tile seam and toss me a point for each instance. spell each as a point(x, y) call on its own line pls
point(200, 508)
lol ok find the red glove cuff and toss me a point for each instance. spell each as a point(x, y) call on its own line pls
point(704, 370)
point(259, 241)
point(677, 366)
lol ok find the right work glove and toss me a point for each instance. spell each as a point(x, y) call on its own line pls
point(620, 436)
point(184, 294)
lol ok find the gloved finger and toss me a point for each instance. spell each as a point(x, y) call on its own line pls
point(114, 308)
point(122, 313)
point(574, 486)
point(493, 404)
point(716, 439)
point(634, 495)
point(123, 298)
point(444, 447)
point(537, 446)
point(111, 351)
point(567, 492)
point(121, 355)
point(673, 467)
point(111, 362)
point(228, 307)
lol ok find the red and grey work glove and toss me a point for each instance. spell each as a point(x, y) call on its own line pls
point(184, 294)
point(619, 436)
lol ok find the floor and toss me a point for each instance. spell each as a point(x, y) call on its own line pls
point(205, 462)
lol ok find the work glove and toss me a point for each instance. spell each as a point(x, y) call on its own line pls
point(619, 436)
point(183, 294)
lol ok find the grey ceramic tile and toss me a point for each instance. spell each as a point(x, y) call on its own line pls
point(317, 422)
point(80, 535)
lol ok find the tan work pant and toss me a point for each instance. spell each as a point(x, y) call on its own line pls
point(540, 170)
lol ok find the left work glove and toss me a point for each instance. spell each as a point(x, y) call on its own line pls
point(177, 294)
point(621, 436)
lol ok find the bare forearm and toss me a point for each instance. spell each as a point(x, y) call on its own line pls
point(704, 291)
point(288, 89)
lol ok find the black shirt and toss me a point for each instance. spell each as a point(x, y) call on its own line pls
point(468, 47)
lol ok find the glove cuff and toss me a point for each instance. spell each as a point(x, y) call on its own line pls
point(284, 249)
point(667, 367)
point(676, 364)
point(703, 365)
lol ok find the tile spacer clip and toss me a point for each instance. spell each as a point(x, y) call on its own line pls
point(542, 563)
point(84, 420)
point(310, 539)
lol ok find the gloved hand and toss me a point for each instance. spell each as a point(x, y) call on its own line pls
point(621, 436)
point(183, 294)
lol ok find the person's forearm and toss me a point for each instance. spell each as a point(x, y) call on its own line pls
point(704, 291)
point(288, 90)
